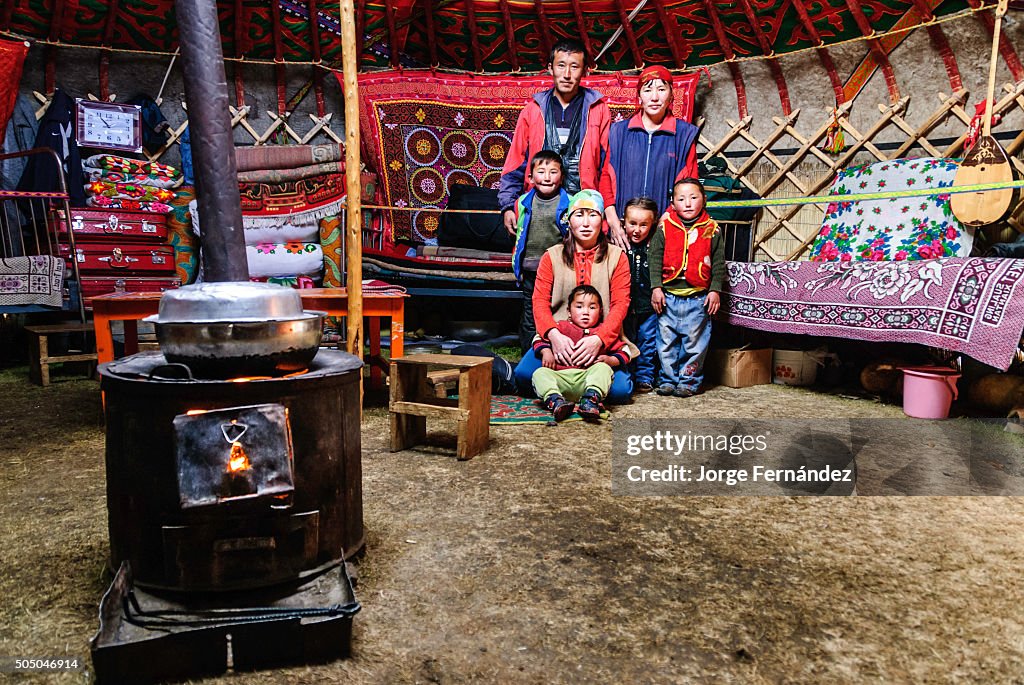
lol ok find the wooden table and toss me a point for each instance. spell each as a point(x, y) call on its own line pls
point(130, 307)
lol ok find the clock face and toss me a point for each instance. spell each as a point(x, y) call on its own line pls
point(109, 125)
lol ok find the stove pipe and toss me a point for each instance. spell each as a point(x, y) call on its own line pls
point(213, 148)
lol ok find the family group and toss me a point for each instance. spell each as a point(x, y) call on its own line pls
point(619, 263)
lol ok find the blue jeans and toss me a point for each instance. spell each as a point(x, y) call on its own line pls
point(621, 391)
point(684, 332)
point(645, 337)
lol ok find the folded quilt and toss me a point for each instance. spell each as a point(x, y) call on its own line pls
point(296, 174)
point(32, 280)
point(286, 156)
point(155, 180)
point(131, 205)
point(129, 191)
point(131, 166)
point(284, 259)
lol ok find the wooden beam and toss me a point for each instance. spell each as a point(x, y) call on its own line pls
point(672, 34)
point(769, 51)
point(474, 36)
point(627, 27)
point(510, 35)
point(389, 18)
point(314, 49)
point(428, 16)
point(876, 48)
point(544, 32)
point(353, 186)
point(584, 35)
point(279, 76)
point(360, 30)
point(723, 40)
point(240, 26)
point(1005, 47)
point(823, 54)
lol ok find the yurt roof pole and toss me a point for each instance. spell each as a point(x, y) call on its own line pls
point(823, 54)
point(353, 207)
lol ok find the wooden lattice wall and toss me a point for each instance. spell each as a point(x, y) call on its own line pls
point(786, 233)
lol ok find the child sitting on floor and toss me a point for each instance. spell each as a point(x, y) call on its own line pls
point(561, 385)
point(687, 258)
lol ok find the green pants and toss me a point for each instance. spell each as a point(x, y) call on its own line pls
point(572, 383)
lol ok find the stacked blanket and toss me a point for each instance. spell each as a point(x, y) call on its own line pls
point(136, 185)
point(288, 192)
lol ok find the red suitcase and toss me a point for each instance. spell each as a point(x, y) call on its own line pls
point(99, 285)
point(113, 224)
point(109, 259)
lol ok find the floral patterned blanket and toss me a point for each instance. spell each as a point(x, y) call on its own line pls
point(969, 305)
point(895, 228)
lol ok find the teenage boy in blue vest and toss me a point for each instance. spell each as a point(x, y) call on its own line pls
point(539, 224)
point(687, 260)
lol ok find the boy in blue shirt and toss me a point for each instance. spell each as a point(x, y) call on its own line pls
point(540, 224)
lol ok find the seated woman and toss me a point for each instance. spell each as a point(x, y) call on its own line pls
point(585, 257)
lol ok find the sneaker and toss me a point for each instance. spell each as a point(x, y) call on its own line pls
point(665, 389)
point(683, 391)
point(589, 407)
point(643, 388)
point(557, 405)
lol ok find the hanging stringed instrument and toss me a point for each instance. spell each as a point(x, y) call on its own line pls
point(987, 161)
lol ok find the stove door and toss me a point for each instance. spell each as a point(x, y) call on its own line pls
point(234, 455)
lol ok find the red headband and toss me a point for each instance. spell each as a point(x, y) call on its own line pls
point(654, 73)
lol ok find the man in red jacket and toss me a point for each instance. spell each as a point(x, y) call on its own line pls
point(568, 119)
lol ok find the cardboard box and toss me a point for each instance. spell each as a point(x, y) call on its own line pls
point(739, 367)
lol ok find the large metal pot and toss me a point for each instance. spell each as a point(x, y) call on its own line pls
point(222, 330)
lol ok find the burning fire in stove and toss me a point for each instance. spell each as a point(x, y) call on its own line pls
point(238, 460)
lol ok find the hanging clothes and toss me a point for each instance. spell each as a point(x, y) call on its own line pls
point(57, 131)
point(20, 136)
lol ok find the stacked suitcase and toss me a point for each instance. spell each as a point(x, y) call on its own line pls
point(119, 251)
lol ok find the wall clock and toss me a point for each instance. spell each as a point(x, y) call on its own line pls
point(108, 125)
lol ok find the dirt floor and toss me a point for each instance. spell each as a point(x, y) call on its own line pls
point(521, 566)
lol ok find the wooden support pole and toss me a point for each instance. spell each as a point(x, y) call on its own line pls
point(823, 55)
point(353, 207)
point(474, 33)
point(672, 33)
point(428, 17)
point(544, 32)
point(510, 34)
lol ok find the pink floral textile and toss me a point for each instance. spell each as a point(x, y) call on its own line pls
point(973, 306)
point(893, 229)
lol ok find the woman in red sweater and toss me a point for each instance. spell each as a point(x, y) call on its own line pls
point(584, 258)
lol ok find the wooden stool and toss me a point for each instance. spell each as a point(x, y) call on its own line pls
point(39, 353)
point(413, 400)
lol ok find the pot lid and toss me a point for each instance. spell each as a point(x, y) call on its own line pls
point(232, 301)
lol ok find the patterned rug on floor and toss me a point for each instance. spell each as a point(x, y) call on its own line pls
point(512, 409)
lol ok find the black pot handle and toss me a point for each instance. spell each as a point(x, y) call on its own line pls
point(175, 367)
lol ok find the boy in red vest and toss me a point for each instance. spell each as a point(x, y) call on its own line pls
point(687, 260)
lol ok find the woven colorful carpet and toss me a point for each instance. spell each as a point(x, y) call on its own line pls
point(425, 133)
point(973, 306)
point(511, 409)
